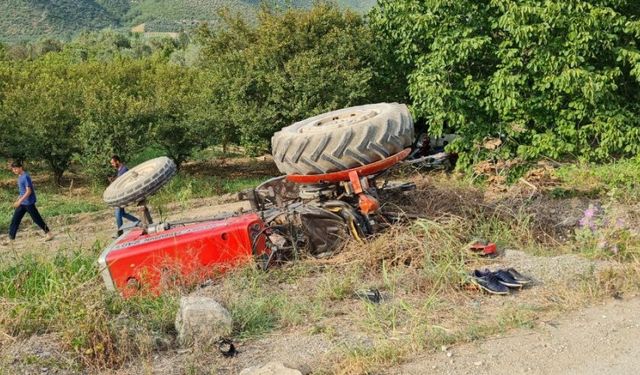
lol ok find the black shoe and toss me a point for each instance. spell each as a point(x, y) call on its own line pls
point(489, 282)
point(506, 279)
point(523, 280)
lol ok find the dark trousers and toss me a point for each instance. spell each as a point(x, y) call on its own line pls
point(18, 214)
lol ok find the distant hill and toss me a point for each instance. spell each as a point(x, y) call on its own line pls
point(30, 19)
point(24, 20)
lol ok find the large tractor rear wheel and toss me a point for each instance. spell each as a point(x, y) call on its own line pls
point(343, 139)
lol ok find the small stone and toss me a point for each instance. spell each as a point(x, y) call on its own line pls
point(444, 348)
point(478, 363)
point(449, 354)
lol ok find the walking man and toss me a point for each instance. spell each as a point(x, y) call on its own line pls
point(26, 202)
point(120, 212)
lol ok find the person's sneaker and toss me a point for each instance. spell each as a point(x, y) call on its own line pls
point(48, 237)
point(506, 279)
point(489, 282)
point(521, 279)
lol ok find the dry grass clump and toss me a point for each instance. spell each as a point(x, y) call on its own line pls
point(434, 250)
point(525, 217)
point(434, 199)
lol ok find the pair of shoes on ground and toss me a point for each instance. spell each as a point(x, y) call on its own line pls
point(499, 281)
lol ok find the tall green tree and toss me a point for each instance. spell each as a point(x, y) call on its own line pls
point(175, 97)
point(41, 106)
point(117, 112)
point(551, 78)
point(289, 66)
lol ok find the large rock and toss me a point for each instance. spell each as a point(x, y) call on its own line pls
point(201, 320)
point(271, 368)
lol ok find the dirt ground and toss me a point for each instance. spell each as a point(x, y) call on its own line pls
point(594, 340)
point(600, 339)
point(83, 230)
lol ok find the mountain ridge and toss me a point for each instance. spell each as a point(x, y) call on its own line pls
point(28, 20)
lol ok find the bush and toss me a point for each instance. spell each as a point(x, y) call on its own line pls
point(550, 78)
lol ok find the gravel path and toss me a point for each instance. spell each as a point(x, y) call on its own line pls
point(602, 339)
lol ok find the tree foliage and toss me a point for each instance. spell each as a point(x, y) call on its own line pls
point(551, 78)
point(111, 93)
point(40, 113)
point(290, 66)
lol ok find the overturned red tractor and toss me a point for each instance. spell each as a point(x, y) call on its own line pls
point(331, 191)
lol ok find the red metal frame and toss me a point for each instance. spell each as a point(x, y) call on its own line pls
point(364, 170)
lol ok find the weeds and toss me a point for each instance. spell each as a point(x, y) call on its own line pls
point(618, 179)
point(256, 308)
point(64, 295)
point(601, 234)
point(420, 268)
point(183, 189)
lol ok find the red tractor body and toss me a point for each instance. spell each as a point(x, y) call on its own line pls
point(180, 254)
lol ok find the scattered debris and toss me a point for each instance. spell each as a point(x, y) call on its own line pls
point(371, 295)
point(484, 248)
point(226, 348)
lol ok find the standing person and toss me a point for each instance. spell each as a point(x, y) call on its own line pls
point(121, 169)
point(26, 202)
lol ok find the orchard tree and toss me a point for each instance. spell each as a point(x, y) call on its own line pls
point(6, 127)
point(117, 112)
point(209, 112)
point(551, 78)
point(290, 66)
point(42, 107)
point(175, 96)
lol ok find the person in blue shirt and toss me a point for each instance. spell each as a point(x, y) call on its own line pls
point(121, 214)
point(26, 202)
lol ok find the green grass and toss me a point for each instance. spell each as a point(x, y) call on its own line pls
point(182, 189)
point(256, 307)
point(619, 180)
point(64, 295)
point(421, 270)
point(52, 202)
point(144, 155)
